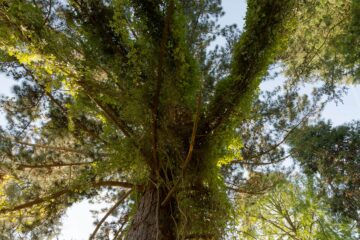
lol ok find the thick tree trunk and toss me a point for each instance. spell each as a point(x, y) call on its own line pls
point(151, 221)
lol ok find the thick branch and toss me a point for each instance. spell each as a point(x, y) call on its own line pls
point(193, 135)
point(250, 192)
point(252, 56)
point(159, 81)
point(189, 155)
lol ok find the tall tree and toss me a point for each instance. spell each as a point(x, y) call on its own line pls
point(125, 99)
point(124, 95)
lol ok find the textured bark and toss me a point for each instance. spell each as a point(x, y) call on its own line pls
point(151, 221)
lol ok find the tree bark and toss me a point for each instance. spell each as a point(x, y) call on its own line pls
point(152, 221)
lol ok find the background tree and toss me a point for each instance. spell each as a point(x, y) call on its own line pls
point(292, 210)
point(332, 155)
point(325, 46)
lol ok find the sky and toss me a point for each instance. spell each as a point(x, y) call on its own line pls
point(78, 222)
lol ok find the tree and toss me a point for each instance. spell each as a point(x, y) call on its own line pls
point(292, 210)
point(129, 102)
point(124, 95)
point(325, 45)
point(332, 153)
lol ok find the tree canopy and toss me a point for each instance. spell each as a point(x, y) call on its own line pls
point(123, 100)
point(333, 153)
point(292, 210)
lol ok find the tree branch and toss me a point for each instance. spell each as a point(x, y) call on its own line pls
point(48, 13)
point(159, 81)
point(120, 124)
point(252, 56)
point(34, 202)
point(154, 19)
point(119, 232)
point(59, 105)
point(61, 164)
point(117, 204)
point(189, 154)
point(244, 162)
point(239, 190)
point(63, 192)
point(117, 184)
point(60, 149)
point(279, 227)
point(307, 115)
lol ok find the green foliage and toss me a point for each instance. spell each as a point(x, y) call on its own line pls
point(332, 152)
point(325, 45)
point(125, 94)
point(251, 57)
point(290, 211)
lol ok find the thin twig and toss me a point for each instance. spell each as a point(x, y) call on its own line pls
point(49, 13)
point(60, 164)
point(61, 149)
point(117, 204)
point(284, 138)
point(119, 231)
point(245, 162)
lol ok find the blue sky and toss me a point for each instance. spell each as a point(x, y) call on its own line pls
point(77, 224)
